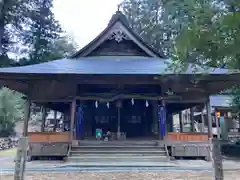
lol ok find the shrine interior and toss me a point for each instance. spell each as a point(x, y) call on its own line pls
point(137, 116)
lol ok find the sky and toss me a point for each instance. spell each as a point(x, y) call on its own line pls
point(84, 19)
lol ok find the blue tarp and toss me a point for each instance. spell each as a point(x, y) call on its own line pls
point(79, 121)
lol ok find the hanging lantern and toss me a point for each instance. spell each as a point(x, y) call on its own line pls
point(108, 105)
point(96, 104)
point(147, 104)
point(132, 101)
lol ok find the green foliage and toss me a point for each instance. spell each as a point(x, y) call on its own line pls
point(11, 110)
point(13, 15)
point(42, 31)
point(145, 18)
point(158, 21)
point(212, 39)
point(30, 29)
point(236, 98)
point(62, 47)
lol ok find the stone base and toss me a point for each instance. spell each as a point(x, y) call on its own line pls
point(75, 142)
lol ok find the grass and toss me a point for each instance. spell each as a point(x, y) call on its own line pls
point(8, 153)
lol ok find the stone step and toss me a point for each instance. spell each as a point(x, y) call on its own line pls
point(121, 143)
point(120, 164)
point(124, 149)
point(115, 151)
point(118, 159)
point(117, 145)
point(115, 155)
point(106, 147)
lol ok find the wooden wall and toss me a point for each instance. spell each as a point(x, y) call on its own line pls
point(187, 136)
point(38, 137)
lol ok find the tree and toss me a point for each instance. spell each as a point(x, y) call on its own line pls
point(144, 17)
point(12, 17)
point(11, 110)
point(212, 39)
point(62, 47)
point(43, 30)
point(157, 21)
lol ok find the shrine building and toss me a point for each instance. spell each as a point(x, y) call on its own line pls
point(118, 83)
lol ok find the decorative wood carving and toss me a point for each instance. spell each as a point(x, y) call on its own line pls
point(118, 35)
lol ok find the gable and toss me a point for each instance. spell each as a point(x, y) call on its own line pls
point(111, 47)
point(117, 39)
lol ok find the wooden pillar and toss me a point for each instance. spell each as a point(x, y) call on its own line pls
point(192, 119)
point(209, 118)
point(215, 149)
point(44, 114)
point(72, 118)
point(163, 105)
point(203, 121)
point(181, 121)
point(238, 122)
point(119, 105)
point(155, 118)
point(217, 123)
point(55, 121)
point(170, 122)
point(20, 161)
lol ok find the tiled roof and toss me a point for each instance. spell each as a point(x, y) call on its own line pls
point(220, 101)
point(106, 65)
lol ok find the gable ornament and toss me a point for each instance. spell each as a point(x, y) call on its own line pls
point(118, 35)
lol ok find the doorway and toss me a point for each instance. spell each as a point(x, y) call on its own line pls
point(136, 119)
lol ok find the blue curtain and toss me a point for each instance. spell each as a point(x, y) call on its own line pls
point(79, 121)
point(162, 120)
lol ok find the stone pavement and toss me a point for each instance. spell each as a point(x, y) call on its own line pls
point(187, 175)
point(7, 162)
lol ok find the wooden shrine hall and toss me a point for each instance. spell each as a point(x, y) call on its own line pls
point(117, 82)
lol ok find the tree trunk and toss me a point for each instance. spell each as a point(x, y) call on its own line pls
point(215, 149)
point(1, 31)
point(216, 157)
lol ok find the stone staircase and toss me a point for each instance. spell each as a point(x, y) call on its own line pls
point(118, 153)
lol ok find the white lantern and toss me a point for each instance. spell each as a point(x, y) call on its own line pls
point(132, 101)
point(147, 104)
point(108, 105)
point(96, 104)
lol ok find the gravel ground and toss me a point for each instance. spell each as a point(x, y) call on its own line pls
point(229, 175)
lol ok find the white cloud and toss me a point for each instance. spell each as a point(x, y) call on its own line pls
point(84, 19)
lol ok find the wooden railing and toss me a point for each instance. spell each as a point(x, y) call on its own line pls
point(194, 136)
point(49, 144)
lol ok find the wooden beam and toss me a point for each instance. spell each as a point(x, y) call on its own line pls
point(52, 100)
point(192, 119)
point(55, 121)
point(44, 114)
point(72, 118)
point(203, 121)
point(181, 121)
